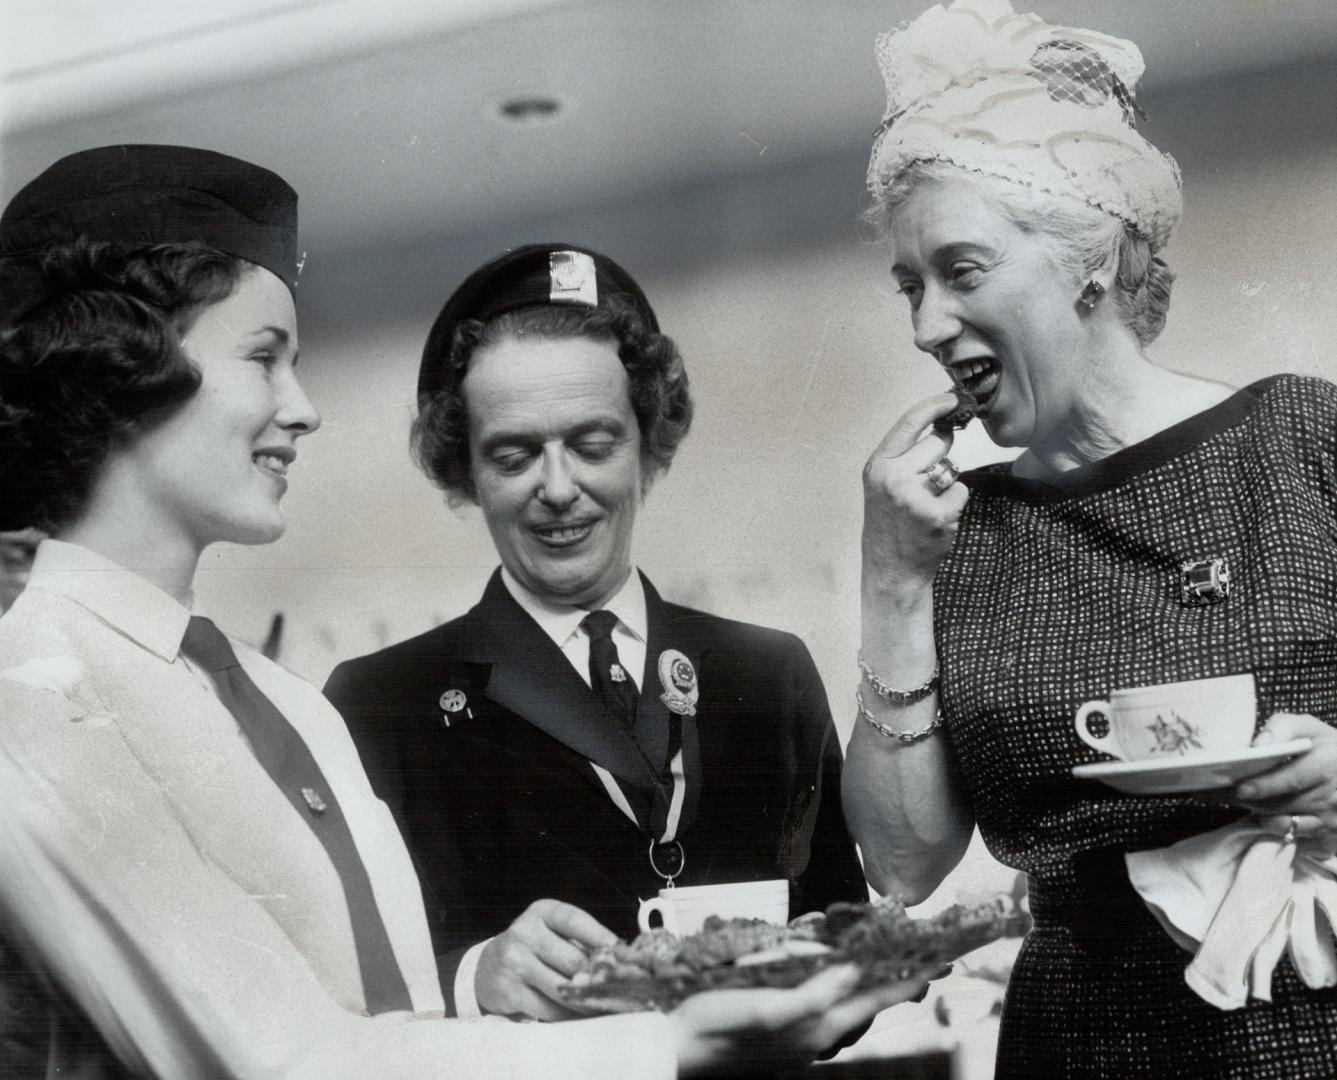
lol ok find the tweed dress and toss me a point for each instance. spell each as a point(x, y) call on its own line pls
point(1056, 594)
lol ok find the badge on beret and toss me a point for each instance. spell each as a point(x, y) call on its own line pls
point(678, 678)
point(572, 279)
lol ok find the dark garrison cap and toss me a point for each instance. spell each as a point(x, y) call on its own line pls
point(532, 276)
point(149, 194)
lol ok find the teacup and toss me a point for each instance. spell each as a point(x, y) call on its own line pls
point(1173, 720)
point(683, 910)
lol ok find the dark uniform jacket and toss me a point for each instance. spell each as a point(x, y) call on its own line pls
point(499, 806)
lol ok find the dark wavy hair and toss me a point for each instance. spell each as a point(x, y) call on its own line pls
point(660, 397)
point(92, 362)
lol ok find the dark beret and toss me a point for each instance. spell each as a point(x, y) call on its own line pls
point(148, 194)
point(530, 276)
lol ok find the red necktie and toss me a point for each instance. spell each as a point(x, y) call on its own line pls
point(288, 760)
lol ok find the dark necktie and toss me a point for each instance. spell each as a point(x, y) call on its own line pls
point(607, 675)
point(613, 684)
point(287, 759)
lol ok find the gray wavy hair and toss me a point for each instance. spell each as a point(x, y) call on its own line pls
point(1083, 238)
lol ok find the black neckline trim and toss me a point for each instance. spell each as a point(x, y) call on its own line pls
point(1130, 461)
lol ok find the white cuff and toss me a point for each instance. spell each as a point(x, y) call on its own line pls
point(466, 996)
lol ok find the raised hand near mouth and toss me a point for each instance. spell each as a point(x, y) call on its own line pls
point(910, 517)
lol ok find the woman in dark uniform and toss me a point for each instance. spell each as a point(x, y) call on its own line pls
point(191, 858)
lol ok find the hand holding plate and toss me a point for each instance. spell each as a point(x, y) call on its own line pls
point(520, 970)
point(765, 1027)
point(1304, 785)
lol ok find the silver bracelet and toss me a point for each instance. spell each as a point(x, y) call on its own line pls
point(891, 694)
point(891, 733)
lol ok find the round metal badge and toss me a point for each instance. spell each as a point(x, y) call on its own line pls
point(678, 678)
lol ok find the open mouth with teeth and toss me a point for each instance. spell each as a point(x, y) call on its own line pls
point(979, 378)
point(566, 534)
point(271, 463)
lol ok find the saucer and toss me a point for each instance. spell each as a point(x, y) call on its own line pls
point(1192, 772)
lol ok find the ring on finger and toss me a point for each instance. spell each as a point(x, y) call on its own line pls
point(1291, 828)
point(941, 476)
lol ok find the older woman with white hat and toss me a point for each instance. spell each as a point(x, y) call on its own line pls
point(1156, 528)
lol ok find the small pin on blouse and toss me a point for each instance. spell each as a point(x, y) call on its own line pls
point(1204, 581)
point(313, 800)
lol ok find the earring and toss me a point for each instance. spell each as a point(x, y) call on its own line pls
point(1090, 295)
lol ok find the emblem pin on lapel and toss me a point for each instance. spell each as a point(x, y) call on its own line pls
point(678, 678)
point(454, 701)
point(313, 800)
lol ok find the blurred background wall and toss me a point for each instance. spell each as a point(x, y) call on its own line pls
point(714, 147)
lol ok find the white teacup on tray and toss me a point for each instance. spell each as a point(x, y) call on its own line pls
point(684, 909)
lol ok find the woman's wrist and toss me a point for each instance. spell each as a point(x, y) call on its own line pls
point(894, 727)
point(895, 594)
point(897, 643)
point(896, 695)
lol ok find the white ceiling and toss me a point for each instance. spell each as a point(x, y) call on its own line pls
point(385, 116)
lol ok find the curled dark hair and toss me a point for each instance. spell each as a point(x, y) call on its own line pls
point(92, 361)
point(659, 392)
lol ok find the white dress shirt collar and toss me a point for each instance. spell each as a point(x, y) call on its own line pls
point(561, 621)
point(121, 598)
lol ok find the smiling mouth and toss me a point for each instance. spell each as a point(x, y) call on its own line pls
point(271, 463)
point(562, 535)
point(979, 377)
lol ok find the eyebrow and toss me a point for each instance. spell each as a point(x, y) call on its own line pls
point(276, 331)
point(948, 252)
point(281, 337)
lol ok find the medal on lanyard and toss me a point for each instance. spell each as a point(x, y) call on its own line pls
point(667, 859)
point(680, 693)
point(678, 678)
